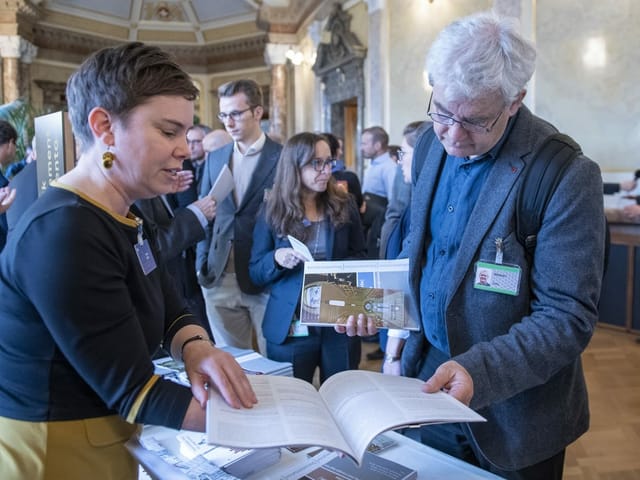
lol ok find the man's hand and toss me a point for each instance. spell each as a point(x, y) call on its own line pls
point(361, 326)
point(207, 206)
point(7, 196)
point(182, 181)
point(451, 378)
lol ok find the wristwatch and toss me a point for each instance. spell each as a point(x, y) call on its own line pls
point(391, 358)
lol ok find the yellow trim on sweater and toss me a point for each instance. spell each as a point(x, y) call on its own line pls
point(133, 413)
point(130, 220)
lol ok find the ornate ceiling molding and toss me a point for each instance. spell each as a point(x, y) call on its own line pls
point(213, 57)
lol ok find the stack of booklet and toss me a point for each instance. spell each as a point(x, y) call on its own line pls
point(186, 455)
point(373, 468)
point(251, 362)
point(254, 363)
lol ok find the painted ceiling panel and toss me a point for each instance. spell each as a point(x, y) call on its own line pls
point(120, 9)
point(210, 10)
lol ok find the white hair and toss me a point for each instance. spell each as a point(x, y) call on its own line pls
point(481, 54)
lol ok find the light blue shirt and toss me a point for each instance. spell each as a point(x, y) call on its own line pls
point(378, 178)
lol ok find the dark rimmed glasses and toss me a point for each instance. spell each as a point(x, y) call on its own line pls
point(468, 126)
point(235, 115)
point(319, 165)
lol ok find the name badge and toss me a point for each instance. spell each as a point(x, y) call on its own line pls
point(145, 257)
point(298, 330)
point(497, 277)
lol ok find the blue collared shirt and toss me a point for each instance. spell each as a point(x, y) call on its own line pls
point(378, 179)
point(458, 189)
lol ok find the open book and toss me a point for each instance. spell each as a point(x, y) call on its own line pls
point(346, 414)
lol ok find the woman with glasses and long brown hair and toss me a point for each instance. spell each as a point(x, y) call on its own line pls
point(306, 204)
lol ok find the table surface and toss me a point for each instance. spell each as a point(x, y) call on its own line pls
point(429, 463)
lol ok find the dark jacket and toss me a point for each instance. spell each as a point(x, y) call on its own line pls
point(347, 241)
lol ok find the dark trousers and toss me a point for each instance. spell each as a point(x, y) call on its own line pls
point(332, 352)
point(455, 439)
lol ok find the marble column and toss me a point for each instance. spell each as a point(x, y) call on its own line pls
point(17, 55)
point(525, 12)
point(275, 55)
point(377, 96)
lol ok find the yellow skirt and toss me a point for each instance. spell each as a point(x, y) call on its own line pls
point(76, 449)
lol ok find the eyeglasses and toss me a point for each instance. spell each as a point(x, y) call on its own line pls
point(468, 126)
point(319, 165)
point(193, 141)
point(235, 114)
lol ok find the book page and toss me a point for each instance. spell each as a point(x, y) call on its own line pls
point(223, 184)
point(365, 404)
point(289, 412)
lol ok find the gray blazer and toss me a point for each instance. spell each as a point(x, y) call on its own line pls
point(523, 352)
point(234, 224)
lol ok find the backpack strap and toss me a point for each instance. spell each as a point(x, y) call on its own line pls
point(541, 177)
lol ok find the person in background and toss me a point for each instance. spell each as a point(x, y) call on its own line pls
point(177, 231)
point(398, 231)
point(26, 182)
point(192, 168)
point(377, 185)
point(16, 167)
point(215, 139)
point(8, 138)
point(396, 221)
point(630, 212)
point(378, 179)
point(100, 305)
point(180, 220)
point(339, 149)
point(235, 305)
point(511, 353)
point(345, 179)
point(305, 203)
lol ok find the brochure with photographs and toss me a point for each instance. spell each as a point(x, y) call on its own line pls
point(334, 290)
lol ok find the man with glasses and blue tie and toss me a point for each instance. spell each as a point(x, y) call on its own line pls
point(235, 305)
point(510, 350)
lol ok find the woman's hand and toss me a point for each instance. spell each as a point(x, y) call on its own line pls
point(207, 365)
point(361, 326)
point(287, 257)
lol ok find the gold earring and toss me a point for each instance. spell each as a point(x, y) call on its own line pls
point(107, 159)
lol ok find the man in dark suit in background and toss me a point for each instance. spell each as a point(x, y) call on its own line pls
point(177, 233)
point(235, 306)
point(192, 167)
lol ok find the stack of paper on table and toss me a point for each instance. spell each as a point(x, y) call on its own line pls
point(186, 455)
point(252, 362)
point(373, 468)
